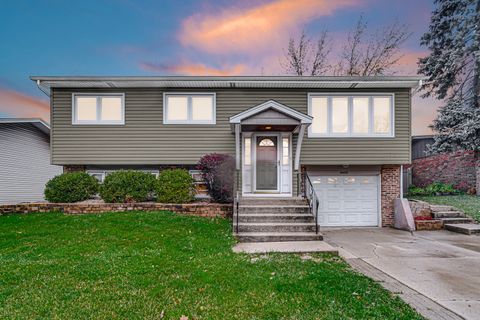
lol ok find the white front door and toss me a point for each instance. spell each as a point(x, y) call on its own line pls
point(266, 164)
point(347, 200)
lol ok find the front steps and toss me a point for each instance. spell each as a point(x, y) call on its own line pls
point(454, 220)
point(275, 220)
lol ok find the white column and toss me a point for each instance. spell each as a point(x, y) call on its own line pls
point(301, 133)
point(237, 146)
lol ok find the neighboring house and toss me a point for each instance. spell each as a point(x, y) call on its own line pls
point(420, 146)
point(25, 162)
point(348, 136)
point(457, 168)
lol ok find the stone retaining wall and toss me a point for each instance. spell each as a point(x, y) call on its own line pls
point(194, 209)
point(420, 208)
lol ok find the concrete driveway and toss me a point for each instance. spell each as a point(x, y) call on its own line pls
point(442, 265)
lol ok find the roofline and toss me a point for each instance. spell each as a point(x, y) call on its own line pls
point(231, 78)
point(37, 122)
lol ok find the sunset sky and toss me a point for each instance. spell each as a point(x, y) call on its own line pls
point(223, 37)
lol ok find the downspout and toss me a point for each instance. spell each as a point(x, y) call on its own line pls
point(42, 88)
point(401, 181)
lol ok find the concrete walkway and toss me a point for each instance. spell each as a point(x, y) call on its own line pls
point(441, 265)
point(286, 246)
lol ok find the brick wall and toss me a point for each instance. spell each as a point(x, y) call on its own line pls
point(195, 209)
point(457, 168)
point(390, 190)
point(477, 169)
point(72, 168)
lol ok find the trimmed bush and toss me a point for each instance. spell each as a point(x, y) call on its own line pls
point(218, 171)
point(175, 186)
point(71, 187)
point(128, 186)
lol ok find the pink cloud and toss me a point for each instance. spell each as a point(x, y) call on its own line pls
point(240, 30)
point(20, 105)
point(194, 69)
point(424, 111)
point(408, 62)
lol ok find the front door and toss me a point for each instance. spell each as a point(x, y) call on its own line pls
point(267, 163)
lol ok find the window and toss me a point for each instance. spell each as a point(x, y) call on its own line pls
point(363, 115)
point(100, 174)
point(285, 151)
point(196, 108)
point(248, 151)
point(98, 109)
point(266, 143)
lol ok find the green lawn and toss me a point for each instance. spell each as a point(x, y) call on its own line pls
point(161, 265)
point(469, 204)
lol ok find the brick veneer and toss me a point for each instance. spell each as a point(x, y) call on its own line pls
point(72, 168)
point(457, 168)
point(390, 190)
point(195, 209)
point(477, 169)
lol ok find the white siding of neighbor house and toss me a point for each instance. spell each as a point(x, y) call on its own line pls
point(24, 163)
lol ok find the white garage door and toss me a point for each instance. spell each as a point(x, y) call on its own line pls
point(347, 200)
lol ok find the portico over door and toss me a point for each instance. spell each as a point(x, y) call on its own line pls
point(264, 148)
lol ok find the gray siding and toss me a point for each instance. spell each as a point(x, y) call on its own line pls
point(144, 139)
point(420, 147)
point(25, 163)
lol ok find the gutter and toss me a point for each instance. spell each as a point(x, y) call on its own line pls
point(44, 90)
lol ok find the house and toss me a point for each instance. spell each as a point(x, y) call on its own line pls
point(339, 141)
point(460, 168)
point(25, 162)
point(420, 146)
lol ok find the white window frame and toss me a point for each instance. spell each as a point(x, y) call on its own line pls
point(189, 96)
point(98, 96)
point(350, 133)
point(105, 173)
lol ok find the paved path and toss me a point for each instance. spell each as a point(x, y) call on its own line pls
point(441, 266)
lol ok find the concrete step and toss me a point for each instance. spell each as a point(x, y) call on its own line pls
point(247, 209)
point(273, 201)
point(465, 228)
point(448, 214)
point(456, 220)
point(276, 217)
point(275, 227)
point(438, 207)
point(276, 236)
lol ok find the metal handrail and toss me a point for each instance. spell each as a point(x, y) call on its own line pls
point(235, 209)
point(313, 200)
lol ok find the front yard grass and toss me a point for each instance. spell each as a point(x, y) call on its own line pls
point(162, 266)
point(467, 203)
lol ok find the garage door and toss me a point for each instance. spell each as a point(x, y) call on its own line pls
point(347, 200)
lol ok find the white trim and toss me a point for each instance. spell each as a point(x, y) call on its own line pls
point(271, 104)
point(98, 96)
point(379, 200)
point(253, 143)
point(254, 162)
point(189, 96)
point(350, 96)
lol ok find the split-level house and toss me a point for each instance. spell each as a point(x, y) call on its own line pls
point(339, 141)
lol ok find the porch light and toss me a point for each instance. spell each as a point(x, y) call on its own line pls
point(268, 128)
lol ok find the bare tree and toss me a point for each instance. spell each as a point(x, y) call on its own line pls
point(363, 53)
point(375, 55)
point(303, 57)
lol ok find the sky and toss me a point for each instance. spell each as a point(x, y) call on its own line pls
point(183, 37)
